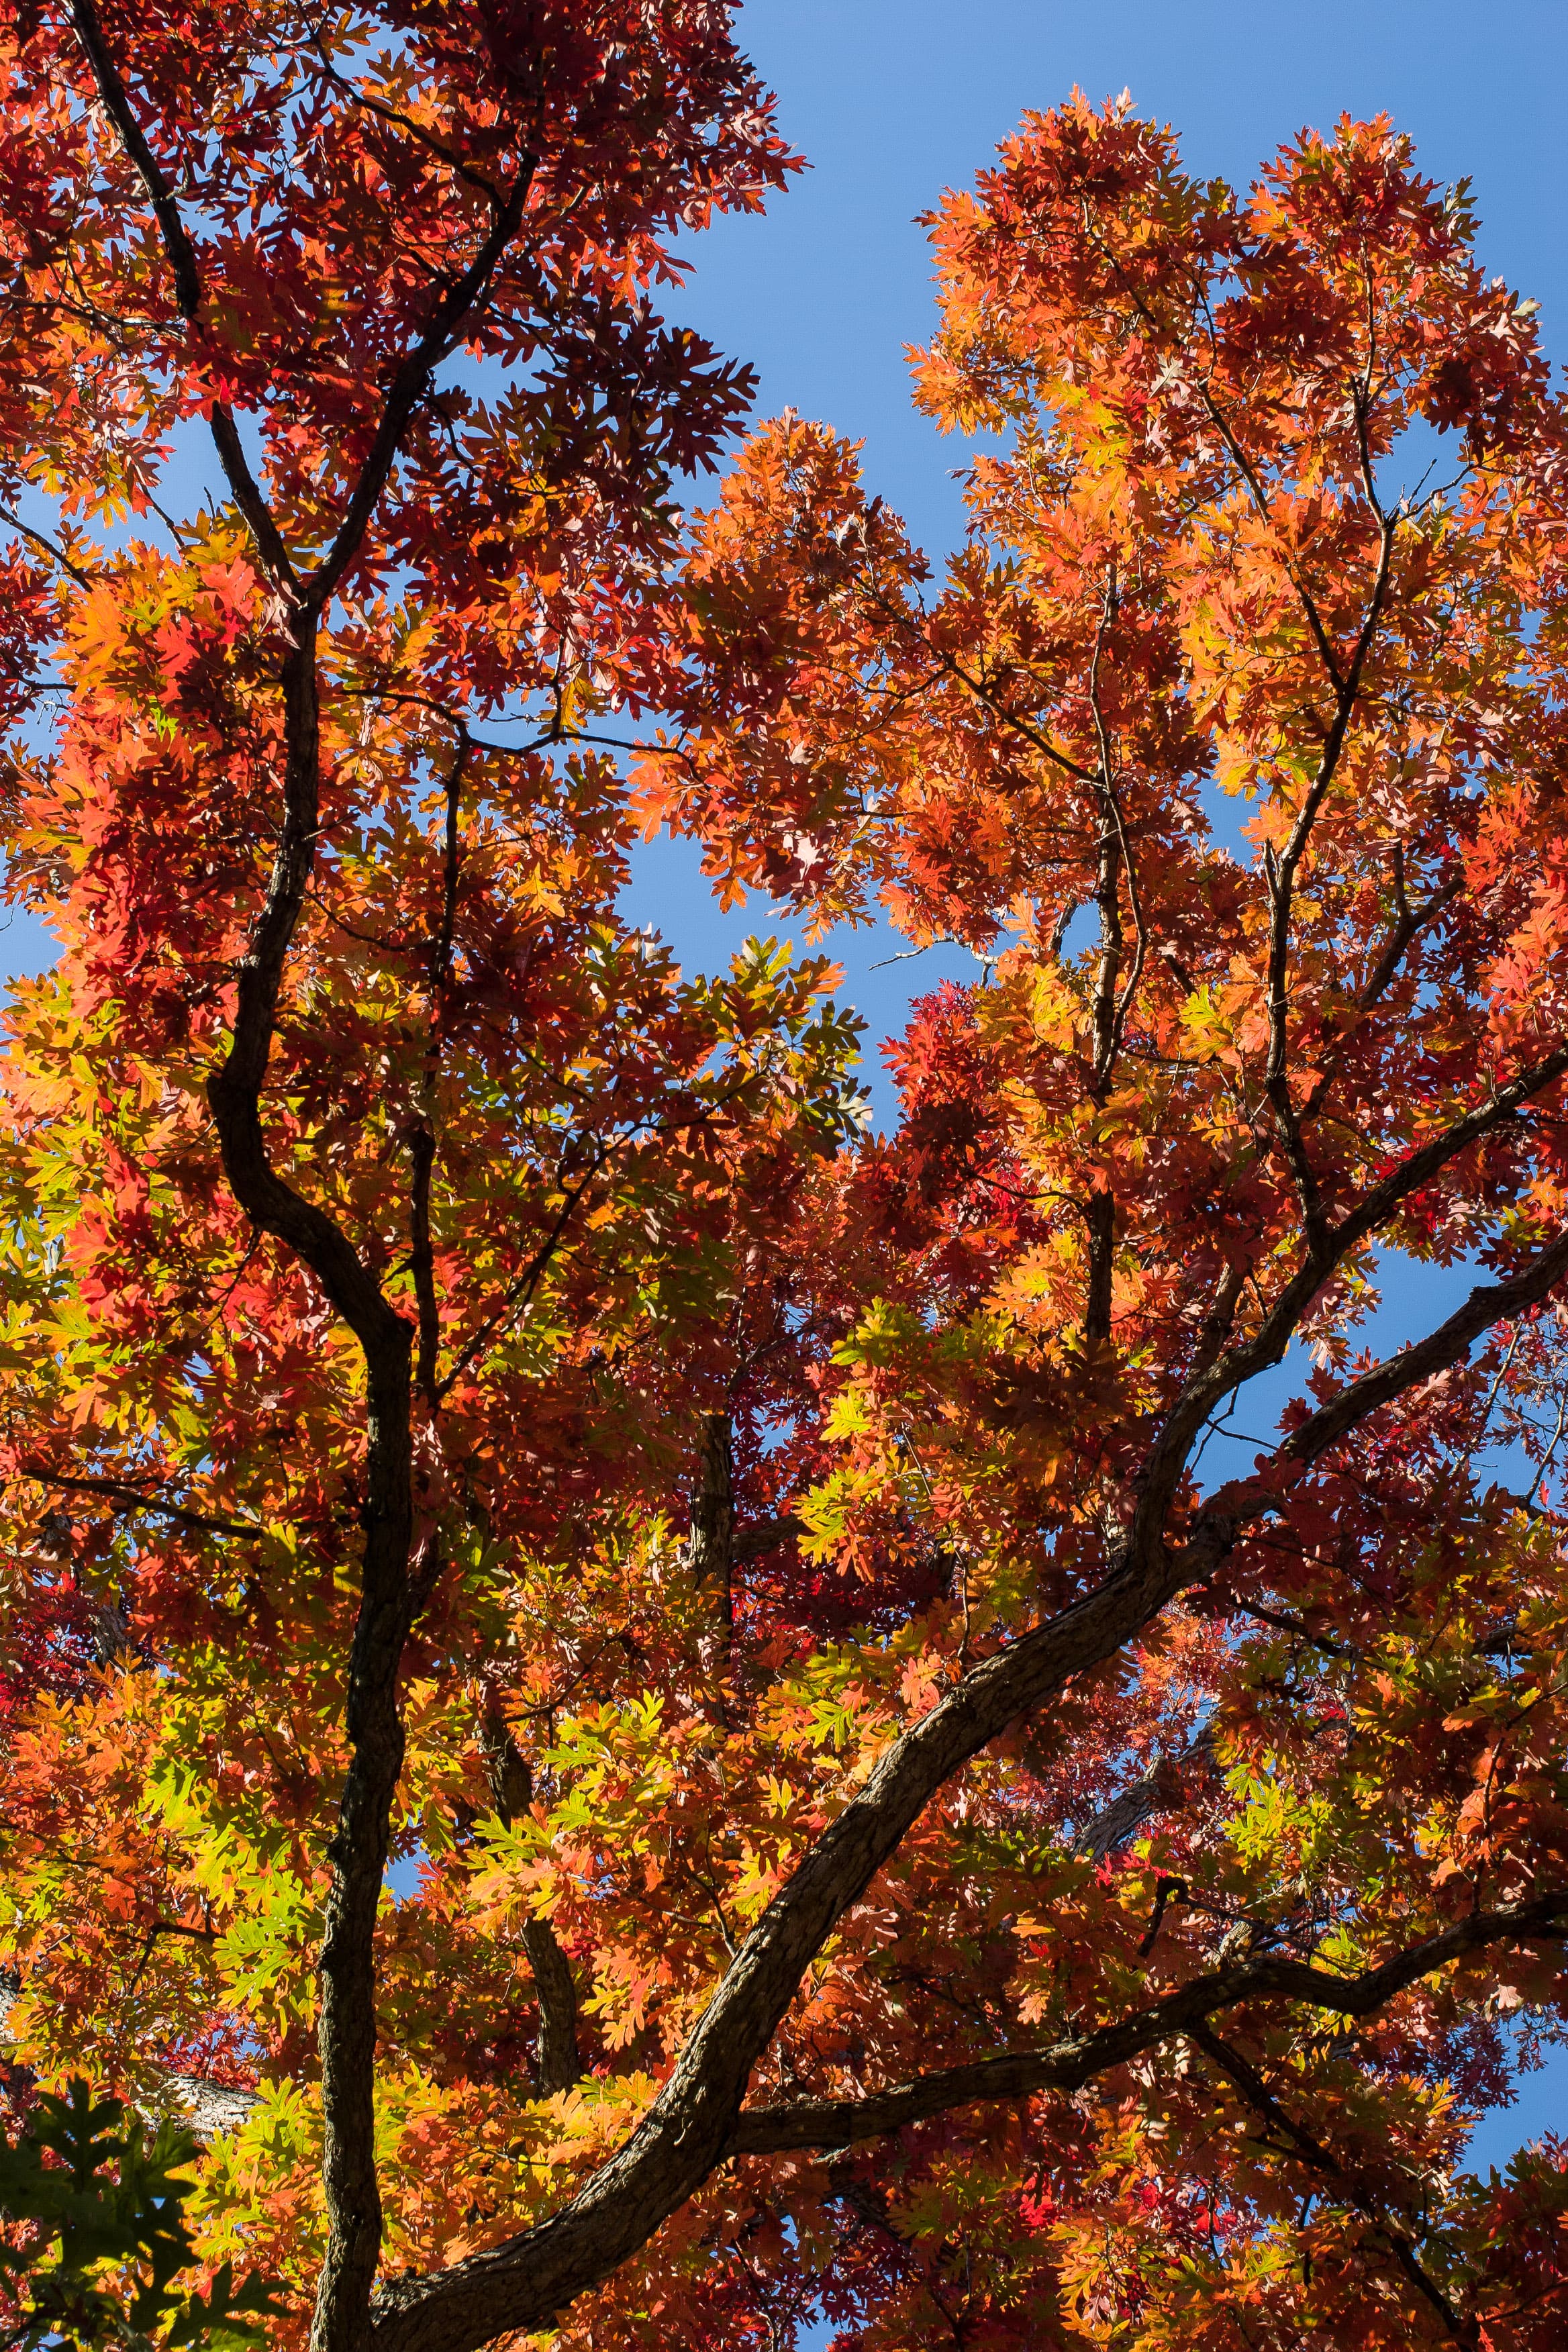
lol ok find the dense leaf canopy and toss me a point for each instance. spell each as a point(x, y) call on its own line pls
point(896, 1836)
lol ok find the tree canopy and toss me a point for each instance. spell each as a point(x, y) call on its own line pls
point(888, 1832)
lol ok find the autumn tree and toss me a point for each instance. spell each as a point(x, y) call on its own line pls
point(895, 1831)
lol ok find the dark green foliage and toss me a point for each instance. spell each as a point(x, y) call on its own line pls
point(97, 2237)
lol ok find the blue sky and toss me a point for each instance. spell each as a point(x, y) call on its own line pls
point(892, 101)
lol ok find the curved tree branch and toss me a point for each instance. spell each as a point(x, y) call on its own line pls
point(127, 1497)
point(358, 1850)
point(1220, 1372)
point(1068, 2064)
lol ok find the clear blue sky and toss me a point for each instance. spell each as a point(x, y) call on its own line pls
point(892, 101)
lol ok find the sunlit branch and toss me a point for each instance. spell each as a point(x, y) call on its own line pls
point(46, 547)
point(1236, 1364)
point(1412, 921)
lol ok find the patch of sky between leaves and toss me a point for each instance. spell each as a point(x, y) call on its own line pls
point(402, 1879)
point(28, 946)
point(667, 892)
point(1540, 2105)
point(1413, 1298)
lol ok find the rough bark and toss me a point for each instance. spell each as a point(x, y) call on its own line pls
point(712, 1550)
point(1159, 1791)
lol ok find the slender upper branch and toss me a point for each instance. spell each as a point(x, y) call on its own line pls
point(1244, 2078)
point(45, 546)
point(129, 1497)
point(423, 1143)
point(184, 270)
point(452, 315)
point(1406, 929)
point(519, 1293)
point(1235, 1364)
point(1489, 1303)
point(1281, 873)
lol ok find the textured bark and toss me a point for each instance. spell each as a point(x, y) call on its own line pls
point(208, 2108)
point(1158, 1792)
point(1163, 1791)
point(712, 1546)
point(523, 2284)
point(751, 1543)
point(358, 1851)
point(557, 2060)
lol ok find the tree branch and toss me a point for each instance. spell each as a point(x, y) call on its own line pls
point(45, 546)
point(1281, 877)
point(1412, 921)
point(183, 267)
point(1244, 2078)
point(711, 1551)
point(1228, 1369)
point(520, 1293)
point(1160, 1791)
point(131, 1498)
point(557, 2061)
point(690, 2124)
point(749, 1543)
point(443, 331)
point(1489, 1303)
point(422, 1143)
point(1068, 2065)
point(1216, 1527)
point(358, 1850)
